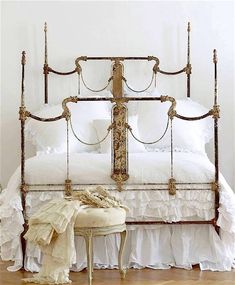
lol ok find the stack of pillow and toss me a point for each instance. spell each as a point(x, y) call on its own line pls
point(147, 119)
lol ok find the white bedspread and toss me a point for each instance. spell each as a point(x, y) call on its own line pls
point(176, 245)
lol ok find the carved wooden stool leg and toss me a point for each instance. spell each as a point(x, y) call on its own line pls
point(92, 257)
point(88, 239)
point(120, 254)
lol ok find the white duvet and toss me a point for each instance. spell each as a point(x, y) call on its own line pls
point(211, 252)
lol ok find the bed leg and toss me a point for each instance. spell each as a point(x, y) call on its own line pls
point(25, 225)
point(216, 227)
point(23, 243)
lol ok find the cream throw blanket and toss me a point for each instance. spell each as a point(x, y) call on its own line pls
point(52, 228)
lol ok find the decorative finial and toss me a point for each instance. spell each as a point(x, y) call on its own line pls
point(189, 27)
point(215, 59)
point(23, 58)
point(45, 27)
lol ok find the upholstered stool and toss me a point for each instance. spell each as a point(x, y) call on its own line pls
point(92, 222)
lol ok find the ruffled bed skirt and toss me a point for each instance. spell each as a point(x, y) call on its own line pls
point(156, 246)
point(159, 247)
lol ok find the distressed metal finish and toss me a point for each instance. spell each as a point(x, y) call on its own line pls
point(172, 187)
point(119, 131)
point(216, 139)
point(171, 112)
point(23, 114)
point(66, 112)
point(194, 118)
point(117, 58)
point(117, 79)
point(119, 148)
point(172, 73)
point(68, 188)
point(22, 117)
point(215, 112)
point(210, 222)
point(45, 119)
point(45, 67)
point(188, 69)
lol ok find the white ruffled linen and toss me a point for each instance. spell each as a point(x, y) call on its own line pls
point(211, 253)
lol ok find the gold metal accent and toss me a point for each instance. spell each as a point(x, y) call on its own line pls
point(172, 186)
point(66, 113)
point(24, 188)
point(23, 114)
point(68, 188)
point(117, 79)
point(215, 186)
point(215, 112)
point(171, 112)
point(78, 66)
point(188, 69)
point(119, 101)
point(119, 147)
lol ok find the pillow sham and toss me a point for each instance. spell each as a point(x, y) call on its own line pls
point(50, 137)
point(101, 127)
point(187, 135)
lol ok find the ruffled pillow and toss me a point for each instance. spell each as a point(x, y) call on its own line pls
point(187, 135)
point(51, 137)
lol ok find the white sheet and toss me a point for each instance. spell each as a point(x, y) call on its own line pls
point(143, 168)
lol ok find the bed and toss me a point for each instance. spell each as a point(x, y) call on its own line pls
point(181, 210)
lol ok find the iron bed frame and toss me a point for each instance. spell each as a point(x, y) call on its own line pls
point(120, 128)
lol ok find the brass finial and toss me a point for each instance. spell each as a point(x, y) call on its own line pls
point(215, 59)
point(45, 27)
point(23, 58)
point(189, 27)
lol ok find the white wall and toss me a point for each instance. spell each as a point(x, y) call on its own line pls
point(116, 28)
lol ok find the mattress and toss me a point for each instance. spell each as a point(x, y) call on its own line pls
point(147, 197)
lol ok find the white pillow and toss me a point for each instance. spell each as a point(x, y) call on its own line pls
point(101, 127)
point(50, 137)
point(187, 135)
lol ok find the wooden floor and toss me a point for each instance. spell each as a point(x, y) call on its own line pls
point(134, 277)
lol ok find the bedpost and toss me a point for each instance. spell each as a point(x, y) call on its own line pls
point(216, 141)
point(119, 130)
point(188, 66)
point(23, 117)
point(45, 68)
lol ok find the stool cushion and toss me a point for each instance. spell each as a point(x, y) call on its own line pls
point(100, 217)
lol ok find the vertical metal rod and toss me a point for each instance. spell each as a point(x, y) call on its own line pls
point(22, 109)
point(188, 62)
point(23, 186)
point(23, 61)
point(216, 141)
point(45, 68)
point(67, 160)
point(172, 167)
point(216, 119)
